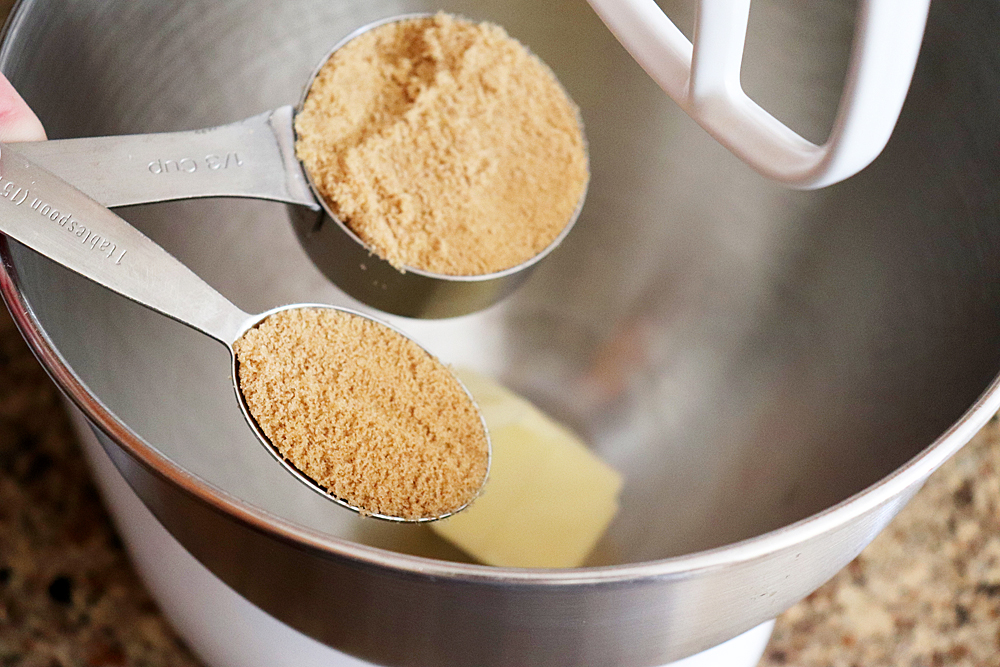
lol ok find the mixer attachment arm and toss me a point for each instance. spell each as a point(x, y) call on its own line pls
point(704, 79)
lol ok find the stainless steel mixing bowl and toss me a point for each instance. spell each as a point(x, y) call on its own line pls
point(775, 373)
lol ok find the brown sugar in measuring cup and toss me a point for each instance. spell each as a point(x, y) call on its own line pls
point(444, 145)
point(363, 412)
point(433, 177)
point(376, 422)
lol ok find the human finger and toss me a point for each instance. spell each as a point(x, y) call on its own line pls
point(17, 121)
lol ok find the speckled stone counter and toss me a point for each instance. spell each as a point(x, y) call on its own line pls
point(926, 593)
point(67, 593)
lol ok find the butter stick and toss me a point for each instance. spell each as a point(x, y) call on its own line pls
point(548, 499)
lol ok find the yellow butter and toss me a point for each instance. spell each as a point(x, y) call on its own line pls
point(548, 499)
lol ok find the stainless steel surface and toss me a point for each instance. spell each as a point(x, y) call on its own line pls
point(53, 218)
point(775, 373)
point(255, 158)
point(249, 158)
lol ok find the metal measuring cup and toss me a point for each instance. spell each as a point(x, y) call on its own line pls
point(58, 221)
point(255, 158)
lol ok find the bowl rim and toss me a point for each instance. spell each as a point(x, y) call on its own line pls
point(907, 477)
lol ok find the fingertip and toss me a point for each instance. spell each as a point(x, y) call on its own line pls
point(17, 121)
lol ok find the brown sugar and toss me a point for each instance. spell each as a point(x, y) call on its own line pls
point(445, 145)
point(363, 411)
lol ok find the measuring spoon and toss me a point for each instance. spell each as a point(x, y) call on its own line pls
point(256, 158)
point(53, 218)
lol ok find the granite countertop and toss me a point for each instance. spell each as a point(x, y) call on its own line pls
point(926, 593)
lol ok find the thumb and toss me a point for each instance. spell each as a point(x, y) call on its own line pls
point(17, 121)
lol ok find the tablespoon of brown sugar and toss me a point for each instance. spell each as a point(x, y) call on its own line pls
point(351, 406)
point(363, 411)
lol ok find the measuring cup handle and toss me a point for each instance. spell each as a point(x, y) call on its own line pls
point(56, 220)
point(704, 79)
point(250, 158)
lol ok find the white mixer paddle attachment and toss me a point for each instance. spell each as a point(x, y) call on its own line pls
point(704, 79)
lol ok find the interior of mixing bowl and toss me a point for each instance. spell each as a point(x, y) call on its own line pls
point(744, 354)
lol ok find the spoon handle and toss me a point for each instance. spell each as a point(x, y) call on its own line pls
point(249, 158)
point(55, 219)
